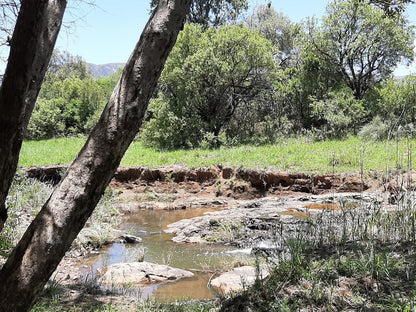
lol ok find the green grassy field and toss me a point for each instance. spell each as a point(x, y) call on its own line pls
point(292, 155)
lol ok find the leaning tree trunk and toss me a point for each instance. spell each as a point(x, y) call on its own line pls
point(32, 44)
point(62, 217)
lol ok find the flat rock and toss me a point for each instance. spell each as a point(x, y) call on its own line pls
point(257, 219)
point(238, 279)
point(140, 273)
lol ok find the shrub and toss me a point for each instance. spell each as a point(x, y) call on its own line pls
point(169, 130)
point(375, 130)
point(46, 121)
point(206, 77)
point(338, 113)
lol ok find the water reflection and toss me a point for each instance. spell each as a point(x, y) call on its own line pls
point(157, 247)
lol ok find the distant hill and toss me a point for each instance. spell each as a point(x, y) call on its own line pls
point(104, 70)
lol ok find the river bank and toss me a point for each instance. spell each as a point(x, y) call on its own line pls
point(244, 210)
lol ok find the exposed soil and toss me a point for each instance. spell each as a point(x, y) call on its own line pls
point(231, 182)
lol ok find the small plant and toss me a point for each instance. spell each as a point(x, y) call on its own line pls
point(225, 231)
point(375, 130)
point(24, 201)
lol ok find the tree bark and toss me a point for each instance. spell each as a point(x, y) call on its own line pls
point(32, 44)
point(64, 214)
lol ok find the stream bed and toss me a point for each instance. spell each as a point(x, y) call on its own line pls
point(256, 221)
point(204, 260)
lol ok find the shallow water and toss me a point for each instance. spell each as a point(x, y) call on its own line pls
point(157, 247)
point(323, 206)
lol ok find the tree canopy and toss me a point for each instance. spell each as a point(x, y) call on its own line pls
point(207, 76)
point(213, 12)
point(361, 42)
point(277, 28)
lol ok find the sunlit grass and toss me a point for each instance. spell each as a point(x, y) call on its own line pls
point(292, 155)
point(47, 152)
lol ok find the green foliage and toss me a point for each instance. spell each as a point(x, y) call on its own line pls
point(391, 8)
point(213, 12)
point(397, 101)
point(207, 76)
point(170, 129)
point(70, 100)
point(338, 114)
point(376, 129)
point(361, 42)
point(64, 65)
point(46, 121)
point(393, 105)
point(271, 115)
point(277, 28)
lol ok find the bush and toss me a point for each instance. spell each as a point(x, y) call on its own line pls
point(169, 130)
point(70, 100)
point(46, 121)
point(206, 77)
point(375, 130)
point(338, 113)
point(396, 103)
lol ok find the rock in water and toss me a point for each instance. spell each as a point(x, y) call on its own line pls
point(131, 239)
point(238, 279)
point(140, 274)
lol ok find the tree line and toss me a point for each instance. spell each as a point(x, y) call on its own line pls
point(256, 79)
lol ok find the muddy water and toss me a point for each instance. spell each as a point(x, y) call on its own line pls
point(157, 247)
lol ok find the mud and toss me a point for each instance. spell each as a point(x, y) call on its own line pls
point(227, 181)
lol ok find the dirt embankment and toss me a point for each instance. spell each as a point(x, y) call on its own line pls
point(233, 182)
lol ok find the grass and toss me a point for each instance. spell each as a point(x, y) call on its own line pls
point(360, 259)
point(140, 306)
point(27, 196)
point(292, 155)
point(48, 152)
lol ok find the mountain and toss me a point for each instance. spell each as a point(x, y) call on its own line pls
point(104, 70)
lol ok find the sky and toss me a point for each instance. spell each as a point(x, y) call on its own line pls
point(108, 31)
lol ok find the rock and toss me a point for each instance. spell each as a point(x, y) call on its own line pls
point(50, 173)
point(128, 173)
point(131, 239)
point(353, 184)
point(140, 273)
point(238, 279)
point(258, 219)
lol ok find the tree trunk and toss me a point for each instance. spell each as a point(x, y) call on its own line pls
point(32, 44)
point(62, 217)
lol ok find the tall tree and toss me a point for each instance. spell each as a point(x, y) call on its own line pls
point(31, 47)
point(390, 7)
point(208, 75)
point(276, 27)
point(362, 43)
point(213, 12)
point(50, 235)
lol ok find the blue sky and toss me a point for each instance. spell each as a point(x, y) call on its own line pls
point(108, 32)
